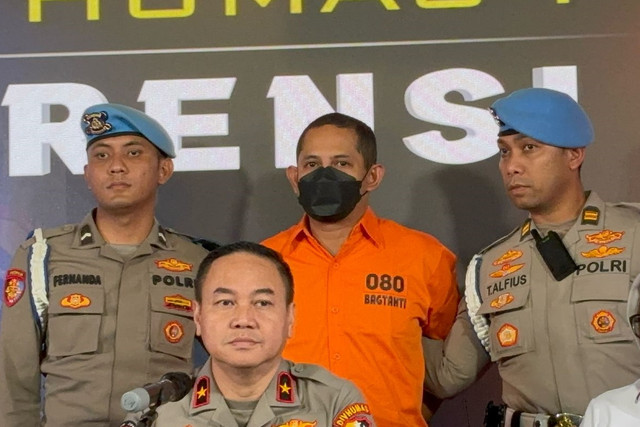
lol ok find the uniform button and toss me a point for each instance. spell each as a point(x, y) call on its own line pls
point(297, 369)
point(335, 310)
point(336, 356)
point(336, 264)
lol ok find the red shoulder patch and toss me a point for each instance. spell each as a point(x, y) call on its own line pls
point(13, 286)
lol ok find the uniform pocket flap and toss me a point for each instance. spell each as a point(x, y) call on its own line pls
point(511, 334)
point(601, 287)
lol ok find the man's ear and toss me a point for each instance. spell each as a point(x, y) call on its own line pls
point(86, 177)
point(292, 176)
point(576, 157)
point(291, 316)
point(196, 318)
point(165, 170)
point(373, 178)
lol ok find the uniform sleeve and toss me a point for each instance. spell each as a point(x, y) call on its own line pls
point(351, 407)
point(19, 349)
point(443, 289)
point(454, 364)
point(590, 419)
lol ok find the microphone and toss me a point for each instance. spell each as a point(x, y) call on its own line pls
point(171, 387)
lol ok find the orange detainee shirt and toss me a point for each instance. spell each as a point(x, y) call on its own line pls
point(362, 313)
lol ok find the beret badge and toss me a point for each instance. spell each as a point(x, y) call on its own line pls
point(96, 123)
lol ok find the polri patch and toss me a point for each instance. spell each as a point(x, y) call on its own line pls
point(284, 391)
point(13, 286)
point(603, 322)
point(75, 301)
point(507, 335)
point(201, 392)
point(173, 331)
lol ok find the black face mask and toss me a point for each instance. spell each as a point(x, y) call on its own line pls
point(328, 195)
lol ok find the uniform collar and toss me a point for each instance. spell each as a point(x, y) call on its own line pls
point(87, 235)
point(368, 227)
point(282, 391)
point(591, 218)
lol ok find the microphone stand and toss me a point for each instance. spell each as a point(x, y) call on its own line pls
point(148, 417)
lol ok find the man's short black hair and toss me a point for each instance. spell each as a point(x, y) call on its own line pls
point(250, 248)
point(366, 144)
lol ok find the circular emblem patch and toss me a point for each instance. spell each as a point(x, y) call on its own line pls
point(603, 322)
point(507, 335)
point(173, 331)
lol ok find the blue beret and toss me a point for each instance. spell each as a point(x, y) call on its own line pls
point(547, 115)
point(106, 120)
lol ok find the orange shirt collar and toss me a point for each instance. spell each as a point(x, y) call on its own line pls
point(368, 227)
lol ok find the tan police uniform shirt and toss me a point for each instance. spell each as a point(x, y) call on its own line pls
point(300, 395)
point(558, 344)
point(94, 324)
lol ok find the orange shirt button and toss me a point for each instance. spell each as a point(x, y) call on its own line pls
point(336, 356)
point(336, 264)
point(334, 310)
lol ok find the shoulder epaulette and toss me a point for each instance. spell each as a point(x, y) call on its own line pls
point(499, 241)
point(205, 243)
point(48, 233)
point(316, 373)
point(632, 206)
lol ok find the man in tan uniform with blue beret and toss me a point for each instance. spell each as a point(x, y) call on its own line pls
point(244, 313)
point(548, 301)
point(102, 306)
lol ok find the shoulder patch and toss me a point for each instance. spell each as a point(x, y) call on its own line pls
point(13, 286)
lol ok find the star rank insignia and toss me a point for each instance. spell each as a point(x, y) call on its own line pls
point(284, 392)
point(201, 392)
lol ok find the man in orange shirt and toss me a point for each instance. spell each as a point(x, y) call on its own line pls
point(368, 288)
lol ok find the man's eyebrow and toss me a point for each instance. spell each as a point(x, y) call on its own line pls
point(261, 291)
point(221, 290)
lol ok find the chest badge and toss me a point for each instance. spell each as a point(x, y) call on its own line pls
point(174, 265)
point(507, 335)
point(603, 322)
point(502, 300)
point(298, 423)
point(505, 263)
point(173, 331)
point(604, 237)
point(602, 252)
point(75, 301)
point(178, 302)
